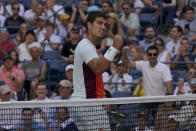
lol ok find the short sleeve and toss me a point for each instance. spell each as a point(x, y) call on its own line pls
point(88, 52)
point(167, 74)
point(140, 65)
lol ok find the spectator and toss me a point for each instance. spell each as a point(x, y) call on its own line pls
point(15, 58)
point(2, 17)
point(164, 55)
point(5, 44)
point(10, 10)
point(173, 45)
point(149, 38)
point(169, 11)
point(82, 12)
point(54, 10)
point(9, 117)
point(69, 73)
point(183, 86)
point(183, 55)
point(107, 7)
point(154, 80)
point(28, 123)
point(136, 55)
point(121, 76)
point(48, 39)
point(35, 70)
point(40, 26)
point(65, 122)
point(13, 77)
point(13, 22)
point(188, 24)
point(113, 29)
point(61, 29)
point(20, 35)
point(43, 115)
point(130, 20)
point(64, 90)
point(67, 53)
point(142, 121)
point(23, 48)
point(37, 9)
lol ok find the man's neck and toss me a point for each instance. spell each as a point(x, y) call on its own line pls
point(153, 64)
point(41, 98)
point(93, 40)
point(15, 17)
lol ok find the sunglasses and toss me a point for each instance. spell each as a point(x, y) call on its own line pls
point(193, 82)
point(125, 8)
point(152, 54)
point(15, 8)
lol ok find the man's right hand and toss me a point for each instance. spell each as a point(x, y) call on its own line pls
point(117, 42)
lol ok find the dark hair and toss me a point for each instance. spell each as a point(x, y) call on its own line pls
point(109, 3)
point(178, 28)
point(17, 59)
point(42, 83)
point(160, 39)
point(188, 8)
point(107, 93)
point(152, 47)
point(50, 24)
point(149, 26)
point(30, 32)
point(185, 38)
point(92, 17)
point(15, 3)
point(127, 3)
point(27, 109)
point(65, 108)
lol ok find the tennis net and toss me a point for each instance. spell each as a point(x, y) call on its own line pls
point(158, 113)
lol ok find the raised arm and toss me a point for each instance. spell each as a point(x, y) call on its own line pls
point(100, 64)
point(126, 62)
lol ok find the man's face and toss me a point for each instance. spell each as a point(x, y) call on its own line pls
point(152, 56)
point(5, 97)
point(126, 9)
point(189, 15)
point(35, 52)
point(41, 91)
point(8, 63)
point(149, 33)
point(27, 116)
point(39, 10)
point(64, 92)
point(15, 9)
point(98, 27)
point(4, 36)
point(75, 34)
point(174, 33)
point(106, 8)
point(62, 113)
point(49, 29)
point(69, 74)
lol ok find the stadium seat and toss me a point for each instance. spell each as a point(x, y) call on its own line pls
point(51, 55)
point(121, 94)
point(56, 70)
point(1, 62)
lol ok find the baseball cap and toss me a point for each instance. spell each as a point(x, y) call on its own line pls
point(93, 8)
point(4, 89)
point(65, 83)
point(68, 67)
point(75, 27)
point(64, 17)
point(7, 57)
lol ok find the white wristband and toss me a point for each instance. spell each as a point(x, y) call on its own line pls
point(110, 53)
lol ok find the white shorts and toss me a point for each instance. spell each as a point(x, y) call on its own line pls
point(91, 118)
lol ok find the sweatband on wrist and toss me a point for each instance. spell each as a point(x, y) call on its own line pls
point(110, 53)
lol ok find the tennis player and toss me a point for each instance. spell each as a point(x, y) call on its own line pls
point(88, 69)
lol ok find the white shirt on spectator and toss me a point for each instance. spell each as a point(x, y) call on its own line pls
point(154, 78)
point(172, 47)
point(53, 39)
point(2, 20)
point(21, 12)
point(30, 15)
point(24, 53)
point(1, 10)
point(56, 8)
point(186, 89)
point(126, 77)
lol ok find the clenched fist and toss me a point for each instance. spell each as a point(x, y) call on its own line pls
point(117, 42)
